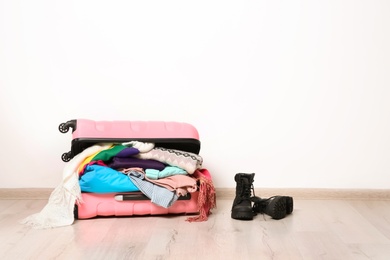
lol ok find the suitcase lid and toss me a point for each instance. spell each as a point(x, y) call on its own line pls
point(170, 135)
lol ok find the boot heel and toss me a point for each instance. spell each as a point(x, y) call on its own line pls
point(289, 205)
point(277, 207)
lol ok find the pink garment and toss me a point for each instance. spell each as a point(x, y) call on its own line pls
point(126, 170)
point(179, 183)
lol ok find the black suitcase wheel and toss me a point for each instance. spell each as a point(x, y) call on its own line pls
point(63, 128)
point(66, 157)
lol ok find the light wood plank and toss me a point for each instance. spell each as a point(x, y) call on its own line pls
point(317, 229)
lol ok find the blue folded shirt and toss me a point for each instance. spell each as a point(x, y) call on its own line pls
point(102, 179)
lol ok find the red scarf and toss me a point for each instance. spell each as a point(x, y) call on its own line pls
point(207, 198)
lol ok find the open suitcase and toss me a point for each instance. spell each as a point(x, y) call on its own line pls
point(177, 138)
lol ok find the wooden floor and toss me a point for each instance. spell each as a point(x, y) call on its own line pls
point(317, 229)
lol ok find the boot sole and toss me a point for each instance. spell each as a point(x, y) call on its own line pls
point(277, 208)
point(242, 215)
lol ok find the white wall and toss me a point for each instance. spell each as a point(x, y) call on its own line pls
point(295, 91)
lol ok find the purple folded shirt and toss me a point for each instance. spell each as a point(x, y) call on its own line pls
point(129, 162)
point(127, 152)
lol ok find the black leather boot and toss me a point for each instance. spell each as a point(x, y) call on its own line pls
point(276, 207)
point(242, 204)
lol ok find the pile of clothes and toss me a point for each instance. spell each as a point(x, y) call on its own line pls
point(163, 175)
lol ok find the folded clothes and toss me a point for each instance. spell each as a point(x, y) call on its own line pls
point(127, 152)
point(185, 160)
point(101, 179)
point(157, 194)
point(168, 171)
point(141, 146)
point(181, 184)
point(129, 162)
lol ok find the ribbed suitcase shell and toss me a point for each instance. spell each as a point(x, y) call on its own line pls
point(105, 205)
point(171, 135)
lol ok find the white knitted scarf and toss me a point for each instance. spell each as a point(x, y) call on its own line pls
point(59, 209)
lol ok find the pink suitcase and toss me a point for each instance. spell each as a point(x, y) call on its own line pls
point(170, 135)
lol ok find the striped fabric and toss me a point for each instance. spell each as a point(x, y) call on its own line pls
point(157, 194)
point(184, 160)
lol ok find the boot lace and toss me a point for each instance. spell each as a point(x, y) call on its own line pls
point(248, 190)
point(259, 204)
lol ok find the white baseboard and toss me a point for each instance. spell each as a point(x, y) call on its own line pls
point(229, 193)
point(310, 193)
